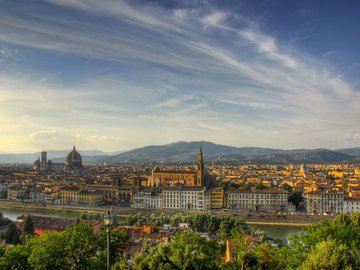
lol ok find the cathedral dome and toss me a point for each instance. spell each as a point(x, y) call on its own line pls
point(73, 159)
point(36, 165)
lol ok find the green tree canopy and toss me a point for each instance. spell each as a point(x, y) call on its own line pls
point(296, 198)
point(287, 187)
point(188, 250)
point(330, 255)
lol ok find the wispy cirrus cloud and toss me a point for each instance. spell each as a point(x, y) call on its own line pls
point(7, 53)
point(201, 71)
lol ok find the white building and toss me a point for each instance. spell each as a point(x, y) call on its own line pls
point(351, 205)
point(324, 202)
point(3, 190)
point(37, 196)
point(191, 198)
point(16, 193)
point(257, 200)
point(148, 198)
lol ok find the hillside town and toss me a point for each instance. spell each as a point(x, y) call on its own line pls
point(313, 189)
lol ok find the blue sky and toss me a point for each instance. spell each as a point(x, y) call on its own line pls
point(115, 75)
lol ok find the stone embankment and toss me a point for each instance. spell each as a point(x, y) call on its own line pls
point(251, 218)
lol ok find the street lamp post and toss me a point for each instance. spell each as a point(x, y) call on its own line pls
point(108, 220)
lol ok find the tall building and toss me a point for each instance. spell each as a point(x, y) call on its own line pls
point(303, 170)
point(43, 157)
point(351, 205)
point(198, 177)
point(258, 200)
point(186, 198)
point(148, 198)
point(73, 162)
point(200, 169)
point(44, 165)
point(324, 202)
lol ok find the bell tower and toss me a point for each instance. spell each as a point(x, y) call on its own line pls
point(200, 169)
point(43, 157)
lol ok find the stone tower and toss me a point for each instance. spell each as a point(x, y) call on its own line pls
point(200, 169)
point(43, 157)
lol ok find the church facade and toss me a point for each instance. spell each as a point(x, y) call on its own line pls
point(73, 162)
point(166, 178)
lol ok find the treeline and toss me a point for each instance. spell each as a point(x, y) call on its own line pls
point(75, 248)
point(222, 226)
point(333, 244)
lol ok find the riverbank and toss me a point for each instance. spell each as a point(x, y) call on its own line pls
point(51, 207)
point(122, 212)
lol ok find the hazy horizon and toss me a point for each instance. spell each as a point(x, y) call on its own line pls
point(119, 75)
point(125, 150)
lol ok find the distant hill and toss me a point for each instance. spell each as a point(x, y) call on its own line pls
point(187, 152)
point(355, 152)
point(184, 152)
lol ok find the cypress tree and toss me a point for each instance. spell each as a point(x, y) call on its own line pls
point(12, 235)
point(28, 227)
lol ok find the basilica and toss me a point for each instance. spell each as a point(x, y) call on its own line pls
point(73, 162)
point(198, 177)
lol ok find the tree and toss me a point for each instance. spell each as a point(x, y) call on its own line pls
point(120, 240)
point(12, 235)
point(120, 265)
point(260, 186)
point(28, 226)
point(330, 255)
point(188, 250)
point(342, 229)
point(287, 187)
point(16, 258)
point(296, 197)
point(81, 246)
point(229, 226)
point(267, 256)
point(49, 252)
point(249, 260)
point(246, 186)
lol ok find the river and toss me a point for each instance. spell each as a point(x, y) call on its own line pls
point(277, 231)
point(12, 214)
point(274, 231)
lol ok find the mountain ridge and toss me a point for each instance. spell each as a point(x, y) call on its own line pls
point(183, 151)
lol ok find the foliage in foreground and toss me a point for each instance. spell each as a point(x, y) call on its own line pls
point(74, 248)
point(333, 244)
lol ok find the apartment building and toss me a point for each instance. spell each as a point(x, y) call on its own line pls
point(216, 198)
point(183, 197)
point(16, 193)
point(257, 200)
point(351, 205)
point(324, 202)
point(78, 196)
point(148, 198)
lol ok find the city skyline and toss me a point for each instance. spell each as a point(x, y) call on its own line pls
point(118, 75)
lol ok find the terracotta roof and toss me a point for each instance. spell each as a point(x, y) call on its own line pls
point(57, 223)
point(176, 171)
point(49, 222)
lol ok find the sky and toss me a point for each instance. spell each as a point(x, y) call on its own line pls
point(116, 75)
